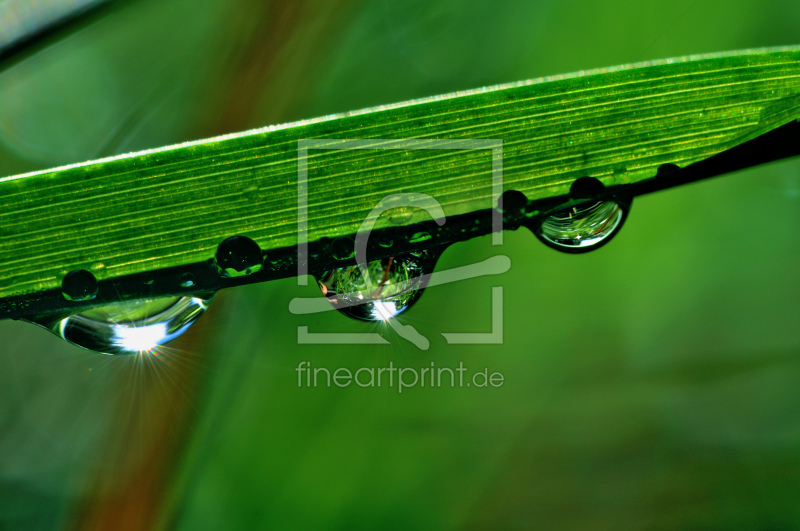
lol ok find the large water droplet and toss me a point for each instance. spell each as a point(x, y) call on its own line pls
point(582, 227)
point(129, 327)
point(392, 285)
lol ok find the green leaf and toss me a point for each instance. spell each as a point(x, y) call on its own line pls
point(171, 207)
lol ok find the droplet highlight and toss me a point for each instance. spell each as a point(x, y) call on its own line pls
point(129, 327)
point(582, 227)
point(392, 285)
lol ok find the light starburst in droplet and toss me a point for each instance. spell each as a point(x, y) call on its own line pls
point(383, 310)
point(139, 338)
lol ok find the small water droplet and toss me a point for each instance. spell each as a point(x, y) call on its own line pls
point(666, 169)
point(392, 286)
point(79, 285)
point(250, 193)
point(186, 280)
point(238, 256)
point(419, 237)
point(512, 201)
point(129, 327)
point(343, 248)
point(400, 215)
point(582, 227)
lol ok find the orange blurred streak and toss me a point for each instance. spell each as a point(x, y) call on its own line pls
point(155, 422)
point(286, 53)
point(136, 497)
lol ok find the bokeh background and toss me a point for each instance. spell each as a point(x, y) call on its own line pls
point(652, 384)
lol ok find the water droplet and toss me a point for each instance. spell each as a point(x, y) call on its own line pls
point(666, 169)
point(129, 327)
point(250, 193)
point(79, 285)
point(186, 280)
point(586, 188)
point(343, 248)
point(512, 201)
point(582, 227)
point(419, 237)
point(392, 285)
point(238, 256)
point(400, 215)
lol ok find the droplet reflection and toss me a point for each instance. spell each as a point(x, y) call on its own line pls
point(129, 327)
point(582, 227)
point(392, 285)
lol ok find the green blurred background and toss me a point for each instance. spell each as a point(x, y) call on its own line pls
point(650, 385)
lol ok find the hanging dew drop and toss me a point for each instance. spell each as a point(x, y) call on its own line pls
point(79, 285)
point(392, 285)
point(130, 327)
point(186, 280)
point(582, 227)
point(238, 256)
